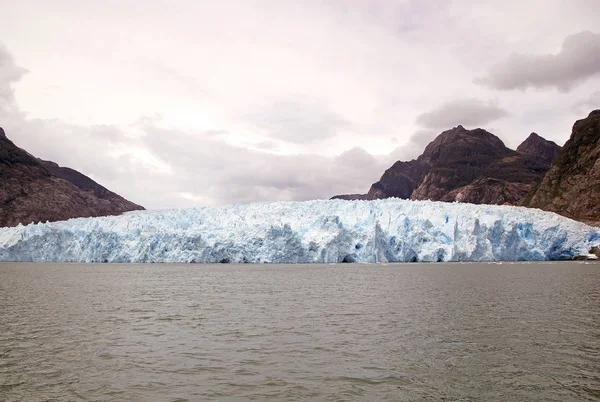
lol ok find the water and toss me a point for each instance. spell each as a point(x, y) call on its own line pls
point(273, 332)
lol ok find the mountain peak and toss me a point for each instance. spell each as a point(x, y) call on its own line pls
point(539, 147)
point(2, 133)
point(458, 141)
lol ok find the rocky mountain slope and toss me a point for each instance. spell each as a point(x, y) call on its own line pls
point(468, 166)
point(572, 186)
point(32, 190)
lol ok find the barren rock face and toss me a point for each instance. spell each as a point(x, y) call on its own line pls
point(572, 186)
point(32, 190)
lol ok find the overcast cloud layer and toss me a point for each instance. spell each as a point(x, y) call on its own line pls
point(205, 103)
point(470, 112)
point(577, 61)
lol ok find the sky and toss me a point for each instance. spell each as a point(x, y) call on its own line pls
point(199, 103)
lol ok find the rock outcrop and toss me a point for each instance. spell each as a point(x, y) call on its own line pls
point(572, 186)
point(467, 166)
point(32, 190)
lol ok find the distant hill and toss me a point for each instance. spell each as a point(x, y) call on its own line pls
point(467, 166)
point(572, 186)
point(34, 190)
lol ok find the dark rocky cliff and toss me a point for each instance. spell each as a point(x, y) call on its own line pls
point(32, 190)
point(467, 166)
point(572, 186)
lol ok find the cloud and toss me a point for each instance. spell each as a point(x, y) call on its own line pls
point(468, 112)
point(222, 173)
point(577, 61)
point(414, 146)
point(304, 106)
point(299, 122)
point(267, 145)
point(586, 105)
point(10, 73)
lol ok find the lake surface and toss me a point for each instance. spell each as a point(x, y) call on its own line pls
point(408, 332)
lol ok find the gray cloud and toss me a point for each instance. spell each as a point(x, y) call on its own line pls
point(414, 147)
point(10, 73)
point(223, 173)
point(212, 172)
point(578, 60)
point(299, 122)
point(586, 105)
point(469, 112)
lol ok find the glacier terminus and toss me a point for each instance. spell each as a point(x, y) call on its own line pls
point(332, 231)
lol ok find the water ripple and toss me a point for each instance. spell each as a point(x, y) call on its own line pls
point(454, 332)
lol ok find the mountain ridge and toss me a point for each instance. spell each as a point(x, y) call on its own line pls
point(464, 165)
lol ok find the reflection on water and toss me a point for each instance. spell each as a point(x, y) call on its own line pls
point(275, 332)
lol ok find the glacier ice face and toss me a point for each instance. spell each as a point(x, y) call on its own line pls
point(390, 230)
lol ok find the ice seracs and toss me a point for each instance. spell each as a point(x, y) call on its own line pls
point(390, 230)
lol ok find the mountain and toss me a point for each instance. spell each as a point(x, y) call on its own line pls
point(539, 147)
point(33, 190)
point(468, 166)
point(572, 186)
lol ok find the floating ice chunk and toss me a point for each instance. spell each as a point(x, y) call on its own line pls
point(390, 230)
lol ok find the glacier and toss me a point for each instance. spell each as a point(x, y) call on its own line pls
point(332, 231)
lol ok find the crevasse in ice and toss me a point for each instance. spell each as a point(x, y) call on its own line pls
point(333, 231)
